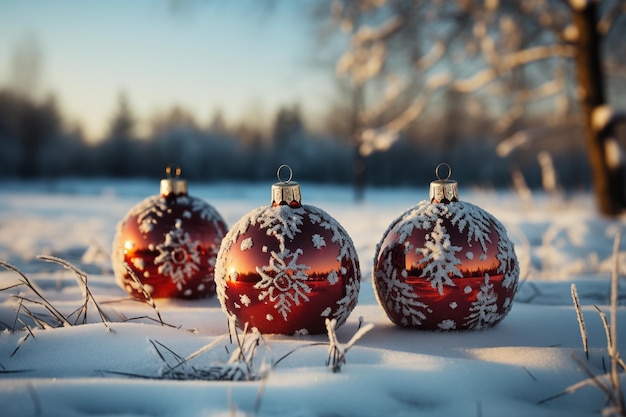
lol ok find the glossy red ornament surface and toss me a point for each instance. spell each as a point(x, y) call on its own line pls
point(286, 269)
point(445, 267)
point(171, 244)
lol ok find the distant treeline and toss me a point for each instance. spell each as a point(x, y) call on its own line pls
point(36, 142)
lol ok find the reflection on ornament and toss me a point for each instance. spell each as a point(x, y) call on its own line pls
point(286, 267)
point(445, 264)
point(170, 243)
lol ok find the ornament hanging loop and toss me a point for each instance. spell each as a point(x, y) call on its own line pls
point(443, 164)
point(443, 190)
point(173, 184)
point(173, 168)
point(280, 168)
point(286, 192)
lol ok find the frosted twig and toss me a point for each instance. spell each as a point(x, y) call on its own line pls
point(147, 297)
point(22, 340)
point(198, 352)
point(25, 281)
point(81, 278)
point(38, 318)
point(336, 351)
point(238, 368)
point(592, 379)
point(620, 408)
point(609, 383)
point(607, 330)
point(509, 62)
point(581, 320)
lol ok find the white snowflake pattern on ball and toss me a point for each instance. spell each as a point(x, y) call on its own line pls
point(333, 278)
point(148, 212)
point(246, 244)
point(283, 282)
point(484, 311)
point(138, 263)
point(178, 255)
point(245, 300)
point(441, 259)
point(398, 294)
point(447, 325)
point(326, 312)
point(318, 241)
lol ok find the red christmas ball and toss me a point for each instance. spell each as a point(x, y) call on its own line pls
point(170, 243)
point(287, 267)
point(445, 264)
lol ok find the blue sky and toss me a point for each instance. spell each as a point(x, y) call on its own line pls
point(205, 55)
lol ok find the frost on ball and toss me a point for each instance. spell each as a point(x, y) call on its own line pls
point(170, 243)
point(445, 266)
point(301, 269)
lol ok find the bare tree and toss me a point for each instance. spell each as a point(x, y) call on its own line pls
point(599, 119)
point(518, 59)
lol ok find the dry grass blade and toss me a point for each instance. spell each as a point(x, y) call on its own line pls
point(81, 277)
point(25, 281)
point(22, 340)
point(336, 358)
point(11, 287)
point(147, 297)
point(581, 320)
point(238, 368)
point(609, 383)
point(123, 318)
point(591, 380)
point(183, 361)
point(618, 406)
point(286, 355)
point(336, 351)
point(44, 322)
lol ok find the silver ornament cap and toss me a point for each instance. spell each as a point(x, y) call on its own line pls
point(444, 190)
point(286, 192)
point(173, 184)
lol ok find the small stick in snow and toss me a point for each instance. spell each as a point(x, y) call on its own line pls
point(581, 320)
point(336, 351)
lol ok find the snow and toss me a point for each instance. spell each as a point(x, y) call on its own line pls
point(79, 370)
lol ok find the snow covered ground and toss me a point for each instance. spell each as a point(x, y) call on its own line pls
point(505, 371)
